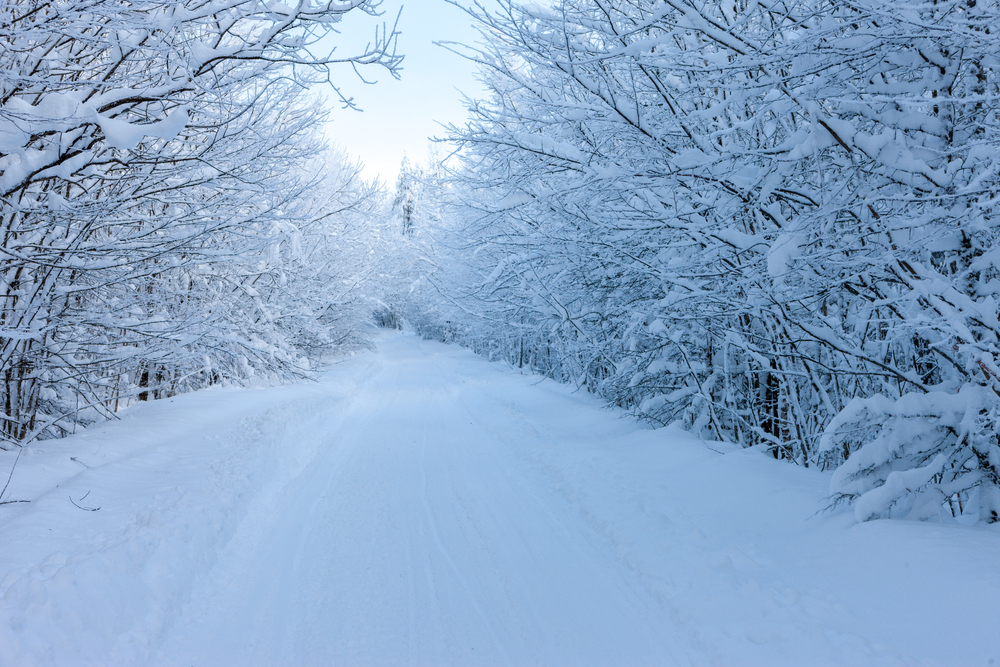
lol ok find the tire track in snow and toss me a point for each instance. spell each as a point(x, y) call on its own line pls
point(445, 553)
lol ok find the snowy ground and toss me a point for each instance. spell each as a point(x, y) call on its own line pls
point(421, 506)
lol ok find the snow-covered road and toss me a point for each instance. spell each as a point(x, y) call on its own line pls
point(421, 506)
point(417, 536)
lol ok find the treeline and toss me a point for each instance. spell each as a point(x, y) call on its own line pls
point(169, 219)
point(773, 222)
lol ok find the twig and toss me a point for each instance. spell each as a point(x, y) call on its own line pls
point(73, 458)
point(87, 509)
point(11, 502)
point(16, 459)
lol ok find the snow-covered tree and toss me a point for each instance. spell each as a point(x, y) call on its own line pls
point(323, 257)
point(916, 113)
point(773, 223)
point(402, 287)
point(404, 202)
point(147, 150)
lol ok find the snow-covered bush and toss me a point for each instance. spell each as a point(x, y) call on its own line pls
point(920, 454)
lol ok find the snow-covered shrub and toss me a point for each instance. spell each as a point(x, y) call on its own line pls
point(920, 454)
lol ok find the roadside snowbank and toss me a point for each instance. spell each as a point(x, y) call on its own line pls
point(741, 551)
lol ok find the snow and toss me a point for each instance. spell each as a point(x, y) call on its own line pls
point(420, 505)
point(124, 135)
point(513, 200)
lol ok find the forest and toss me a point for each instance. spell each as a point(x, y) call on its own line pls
point(774, 223)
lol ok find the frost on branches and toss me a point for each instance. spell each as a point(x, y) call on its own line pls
point(159, 204)
point(775, 223)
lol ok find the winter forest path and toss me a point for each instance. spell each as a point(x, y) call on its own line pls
point(464, 514)
point(420, 506)
point(421, 536)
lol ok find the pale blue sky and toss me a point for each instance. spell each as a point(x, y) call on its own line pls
point(399, 116)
